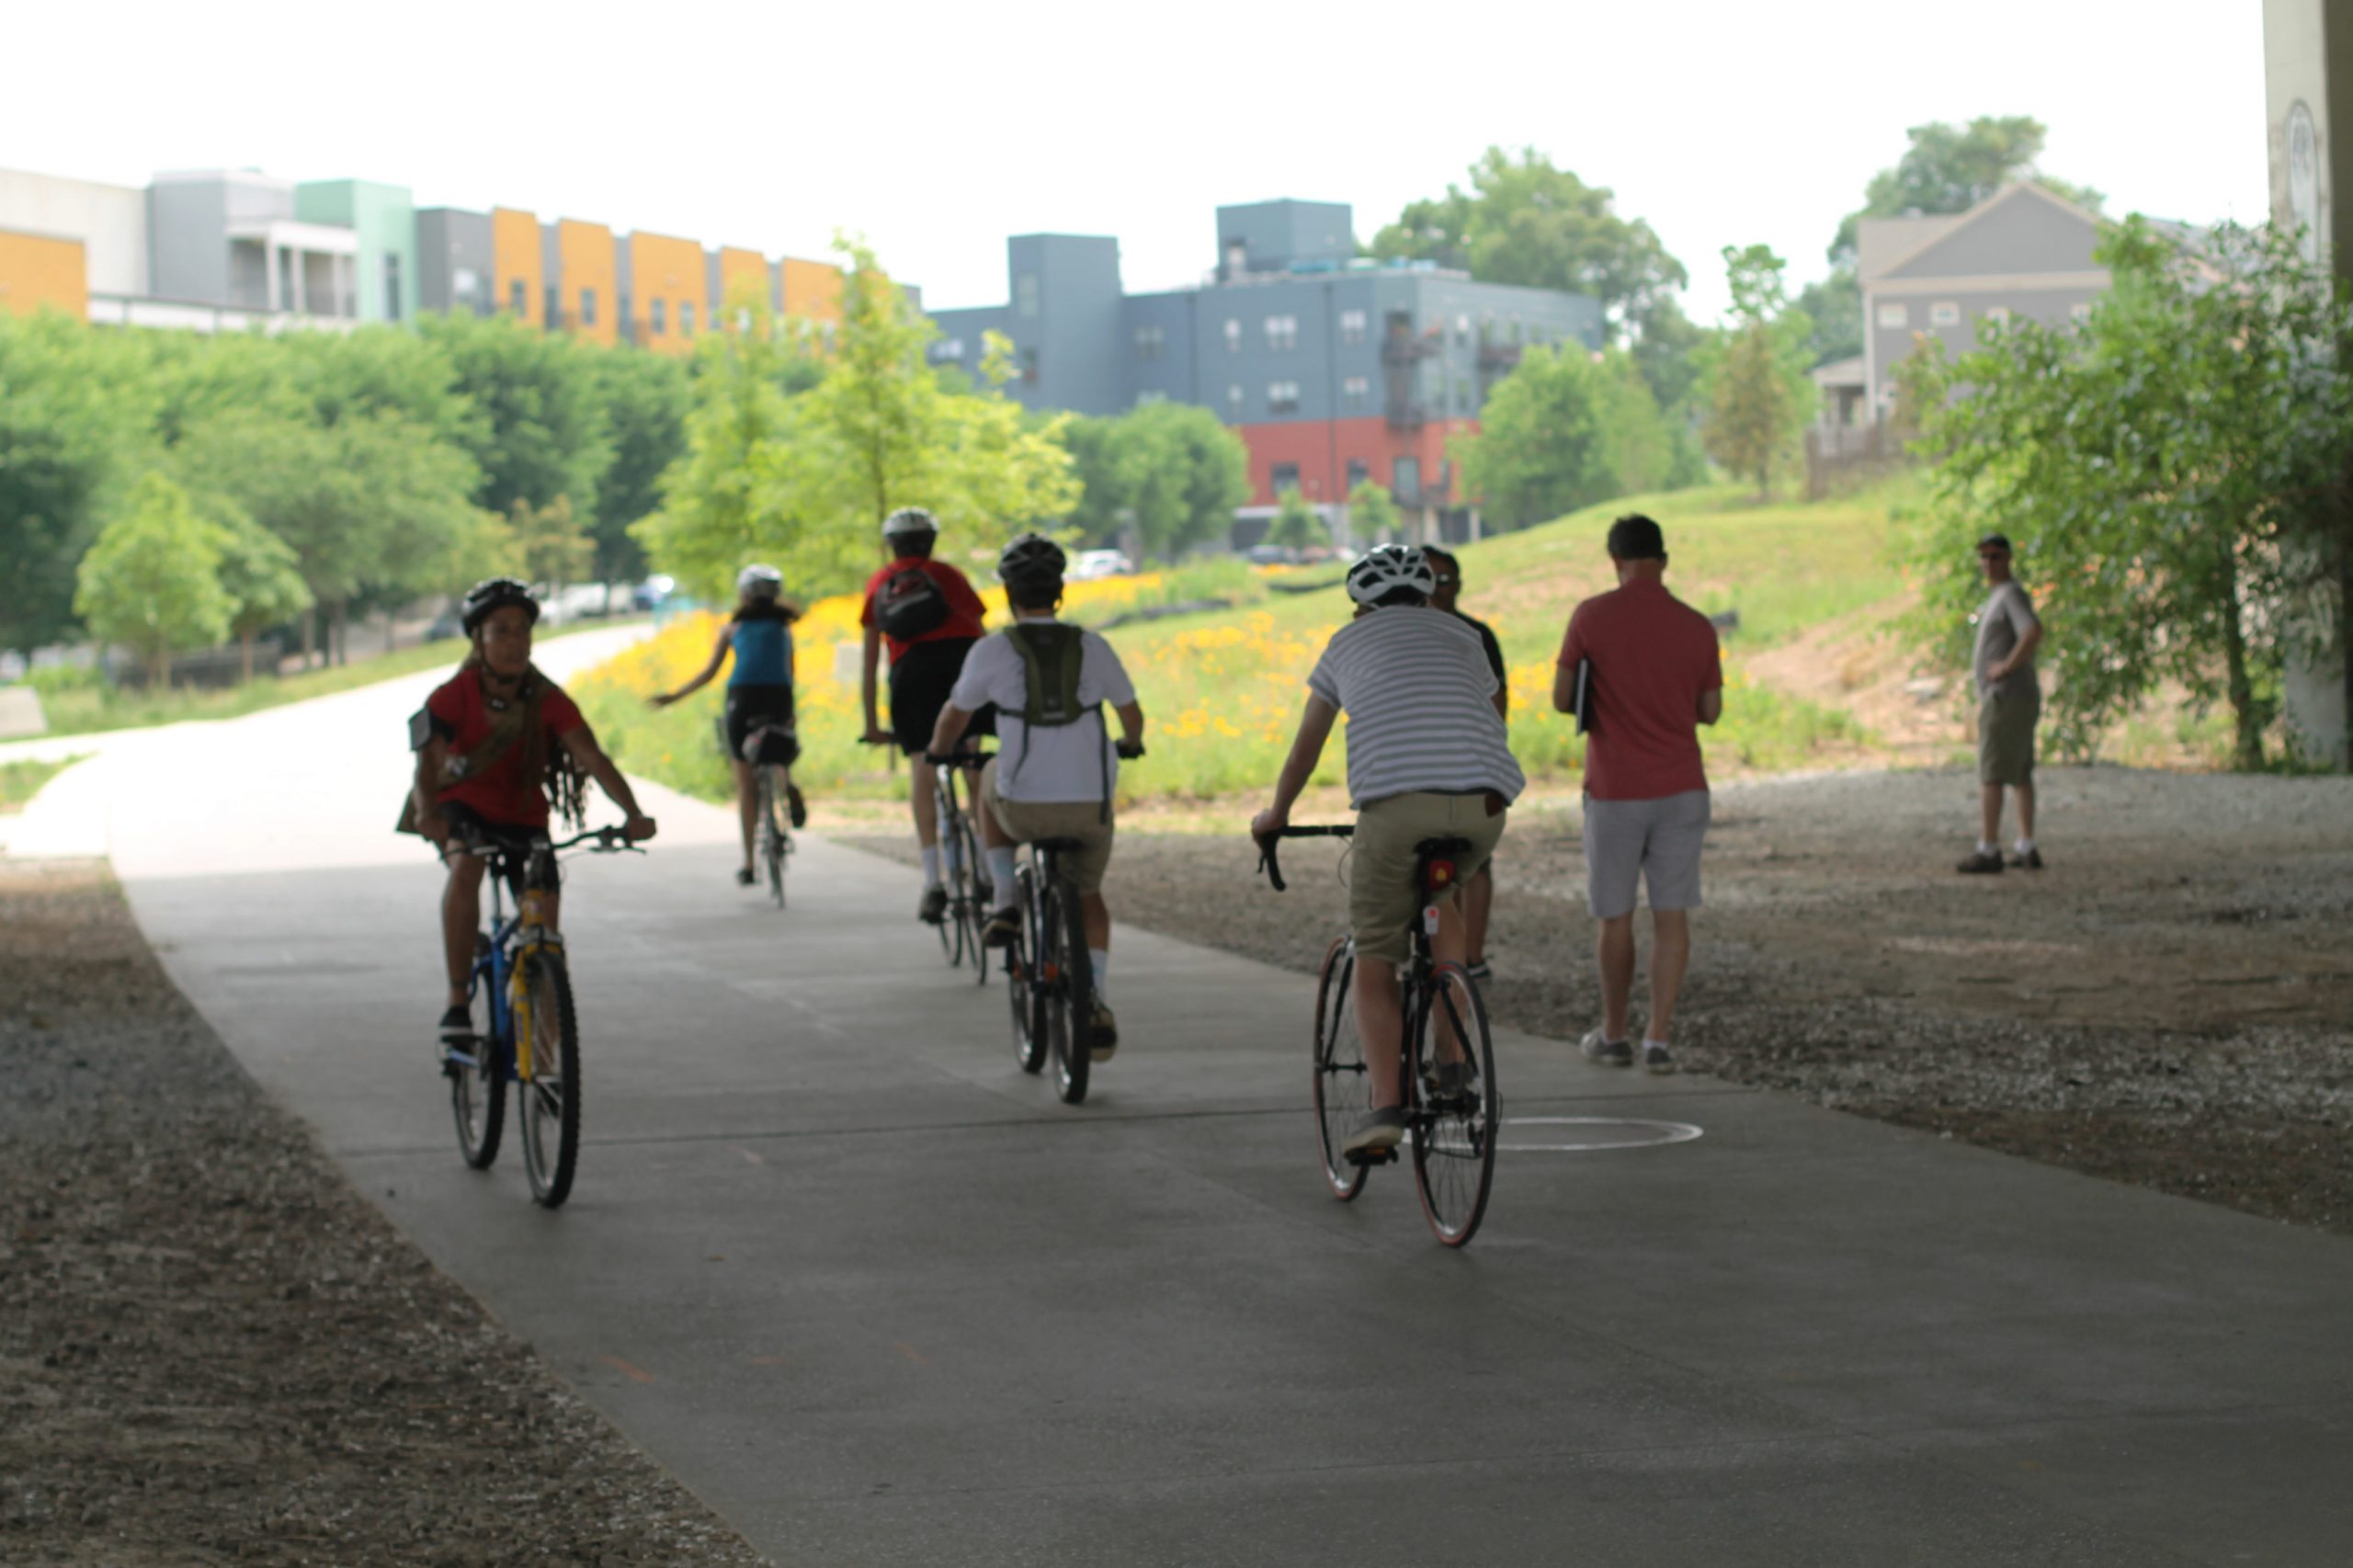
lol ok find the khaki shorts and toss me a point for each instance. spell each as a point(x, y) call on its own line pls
point(1382, 895)
point(2005, 736)
point(1655, 842)
point(1025, 822)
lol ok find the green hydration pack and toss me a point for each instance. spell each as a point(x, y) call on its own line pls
point(1054, 655)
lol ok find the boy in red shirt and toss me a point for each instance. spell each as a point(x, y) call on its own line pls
point(495, 744)
point(1653, 678)
point(927, 612)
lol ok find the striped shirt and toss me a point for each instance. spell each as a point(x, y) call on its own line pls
point(1420, 701)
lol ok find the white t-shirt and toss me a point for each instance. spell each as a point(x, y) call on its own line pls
point(1420, 700)
point(1065, 761)
point(2007, 617)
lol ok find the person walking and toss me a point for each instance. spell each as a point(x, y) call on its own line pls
point(1479, 892)
point(2009, 703)
point(1651, 676)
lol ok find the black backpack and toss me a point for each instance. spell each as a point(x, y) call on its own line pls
point(910, 604)
point(1053, 653)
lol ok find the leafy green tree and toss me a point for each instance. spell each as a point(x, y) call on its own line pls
point(150, 583)
point(1543, 444)
point(1753, 380)
point(1297, 524)
point(550, 544)
point(646, 398)
point(1372, 513)
point(261, 576)
point(538, 426)
point(1173, 471)
point(1523, 220)
point(2172, 476)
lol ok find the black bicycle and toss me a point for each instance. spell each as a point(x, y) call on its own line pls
point(1448, 1077)
point(770, 749)
point(533, 1038)
point(962, 871)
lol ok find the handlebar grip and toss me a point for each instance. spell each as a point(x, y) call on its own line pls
point(1270, 863)
point(1127, 750)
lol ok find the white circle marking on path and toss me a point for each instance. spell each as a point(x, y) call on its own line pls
point(1647, 1134)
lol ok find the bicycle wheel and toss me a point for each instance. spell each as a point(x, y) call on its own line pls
point(477, 1102)
point(550, 1107)
point(971, 909)
point(1021, 994)
point(1074, 986)
point(1343, 1089)
point(1454, 1135)
point(772, 839)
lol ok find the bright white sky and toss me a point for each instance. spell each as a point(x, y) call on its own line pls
point(938, 129)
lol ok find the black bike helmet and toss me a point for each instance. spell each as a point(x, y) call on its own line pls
point(1032, 560)
point(497, 593)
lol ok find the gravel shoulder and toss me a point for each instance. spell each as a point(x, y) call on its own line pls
point(213, 1350)
point(2169, 1004)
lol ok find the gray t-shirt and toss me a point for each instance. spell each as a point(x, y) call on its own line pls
point(2005, 618)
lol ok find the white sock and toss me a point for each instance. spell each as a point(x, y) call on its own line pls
point(1001, 875)
point(1649, 1044)
point(1987, 846)
point(2025, 846)
point(1101, 959)
point(931, 865)
point(950, 856)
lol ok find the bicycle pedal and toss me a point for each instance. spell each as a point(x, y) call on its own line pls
point(1369, 1158)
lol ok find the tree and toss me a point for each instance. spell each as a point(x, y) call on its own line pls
point(260, 575)
point(1297, 524)
point(1172, 471)
point(539, 426)
point(2172, 474)
point(1372, 513)
point(152, 582)
point(646, 398)
point(1543, 447)
point(1758, 395)
point(549, 542)
point(1525, 221)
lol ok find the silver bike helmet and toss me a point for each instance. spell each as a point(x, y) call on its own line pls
point(758, 581)
point(909, 520)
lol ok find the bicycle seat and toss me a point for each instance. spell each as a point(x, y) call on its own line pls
point(1055, 846)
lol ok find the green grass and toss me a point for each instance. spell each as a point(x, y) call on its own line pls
point(79, 703)
point(20, 781)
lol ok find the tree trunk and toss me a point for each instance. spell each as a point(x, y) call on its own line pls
point(159, 670)
point(2247, 754)
point(309, 633)
point(335, 628)
point(2345, 632)
point(245, 645)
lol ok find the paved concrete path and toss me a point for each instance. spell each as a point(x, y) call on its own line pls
point(878, 1298)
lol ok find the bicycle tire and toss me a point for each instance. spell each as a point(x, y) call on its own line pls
point(969, 903)
point(1343, 1087)
point(1074, 1042)
point(551, 1105)
point(772, 840)
point(1022, 998)
point(1454, 1143)
point(478, 1103)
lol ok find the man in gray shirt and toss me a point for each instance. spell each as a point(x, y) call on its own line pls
point(2009, 700)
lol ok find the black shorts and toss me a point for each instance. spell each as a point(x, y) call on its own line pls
point(920, 683)
point(751, 706)
point(527, 862)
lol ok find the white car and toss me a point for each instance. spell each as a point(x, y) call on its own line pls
point(1091, 563)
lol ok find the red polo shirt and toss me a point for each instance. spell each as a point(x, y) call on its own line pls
point(462, 717)
point(965, 610)
point(1653, 656)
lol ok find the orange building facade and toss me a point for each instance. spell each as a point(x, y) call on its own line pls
point(43, 272)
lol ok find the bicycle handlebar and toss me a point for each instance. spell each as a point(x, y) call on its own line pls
point(611, 839)
point(1269, 863)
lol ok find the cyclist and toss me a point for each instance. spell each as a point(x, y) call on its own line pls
point(1056, 767)
point(1428, 757)
point(759, 692)
point(496, 744)
point(1479, 892)
point(926, 611)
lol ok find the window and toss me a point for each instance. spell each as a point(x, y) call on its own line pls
point(1462, 395)
point(948, 349)
point(1462, 330)
point(1282, 477)
point(465, 283)
point(1351, 326)
point(519, 297)
point(1407, 481)
point(1152, 342)
point(1146, 399)
point(587, 307)
point(1356, 392)
point(555, 314)
point(1282, 332)
point(1233, 336)
point(1025, 296)
point(1234, 403)
point(657, 315)
point(391, 287)
point(1944, 313)
point(1359, 471)
point(1029, 367)
point(1892, 313)
point(687, 318)
point(1283, 397)
point(2000, 314)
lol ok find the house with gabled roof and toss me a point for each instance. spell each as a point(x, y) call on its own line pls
point(2022, 252)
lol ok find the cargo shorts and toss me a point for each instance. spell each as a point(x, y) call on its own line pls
point(1632, 841)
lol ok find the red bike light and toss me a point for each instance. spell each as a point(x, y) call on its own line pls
point(1441, 875)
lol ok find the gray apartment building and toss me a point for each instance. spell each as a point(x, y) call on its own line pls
point(1332, 367)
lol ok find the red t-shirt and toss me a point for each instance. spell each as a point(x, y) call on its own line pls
point(1653, 656)
point(965, 610)
point(462, 717)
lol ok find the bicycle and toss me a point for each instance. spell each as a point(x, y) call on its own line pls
point(534, 1035)
point(963, 872)
point(772, 832)
point(1048, 974)
point(1453, 1129)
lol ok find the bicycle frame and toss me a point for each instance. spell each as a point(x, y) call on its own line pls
point(510, 1009)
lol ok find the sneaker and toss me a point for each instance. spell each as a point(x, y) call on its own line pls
point(1481, 971)
point(2029, 861)
point(1656, 1058)
point(1377, 1133)
point(934, 907)
point(1103, 1039)
point(795, 807)
point(1607, 1053)
point(1003, 930)
point(1454, 1080)
point(457, 1034)
point(1980, 863)
point(745, 877)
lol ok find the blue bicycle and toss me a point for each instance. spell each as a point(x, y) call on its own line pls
point(534, 1038)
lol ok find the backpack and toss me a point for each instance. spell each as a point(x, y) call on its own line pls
point(909, 603)
point(1053, 653)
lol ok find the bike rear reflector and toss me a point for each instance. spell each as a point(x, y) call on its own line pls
point(1441, 875)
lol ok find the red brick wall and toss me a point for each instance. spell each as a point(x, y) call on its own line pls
point(1323, 449)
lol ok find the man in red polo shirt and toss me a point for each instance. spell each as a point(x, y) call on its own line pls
point(1652, 678)
point(927, 612)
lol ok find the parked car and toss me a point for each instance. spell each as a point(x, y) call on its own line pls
point(448, 624)
point(650, 593)
point(1091, 563)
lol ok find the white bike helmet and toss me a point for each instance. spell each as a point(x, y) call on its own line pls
point(1385, 569)
point(909, 520)
point(760, 582)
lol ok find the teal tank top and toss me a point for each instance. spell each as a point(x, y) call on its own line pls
point(763, 652)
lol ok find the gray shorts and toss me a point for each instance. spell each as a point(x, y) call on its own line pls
point(1654, 841)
